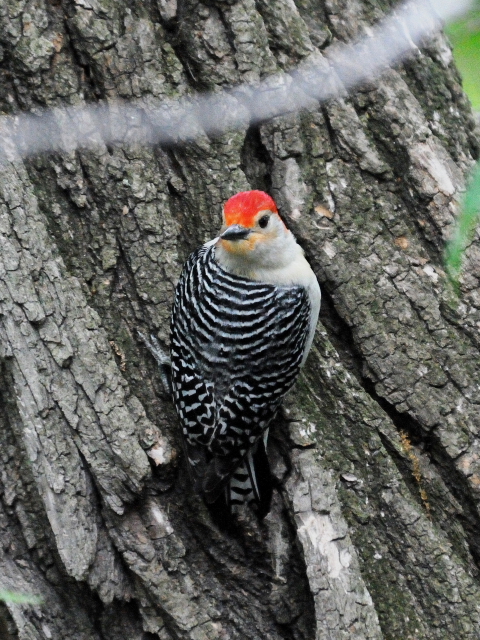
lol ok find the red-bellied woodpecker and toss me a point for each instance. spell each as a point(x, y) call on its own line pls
point(243, 320)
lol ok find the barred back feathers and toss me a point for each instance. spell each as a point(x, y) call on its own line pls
point(237, 347)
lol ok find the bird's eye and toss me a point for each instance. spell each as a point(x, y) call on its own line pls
point(262, 223)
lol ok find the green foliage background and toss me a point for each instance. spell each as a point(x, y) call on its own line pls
point(465, 37)
point(19, 598)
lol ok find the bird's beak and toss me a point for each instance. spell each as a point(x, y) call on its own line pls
point(235, 232)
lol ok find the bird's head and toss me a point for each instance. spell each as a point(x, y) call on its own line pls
point(250, 223)
point(254, 241)
point(253, 236)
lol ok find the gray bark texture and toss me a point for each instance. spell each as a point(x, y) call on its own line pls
point(374, 527)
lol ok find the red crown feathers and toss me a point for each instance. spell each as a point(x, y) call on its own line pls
point(244, 206)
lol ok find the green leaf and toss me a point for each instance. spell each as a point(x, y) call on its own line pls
point(464, 228)
point(19, 598)
point(465, 38)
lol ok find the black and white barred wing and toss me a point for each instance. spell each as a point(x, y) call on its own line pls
point(237, 346)
point(262, 377)
point(193, 393)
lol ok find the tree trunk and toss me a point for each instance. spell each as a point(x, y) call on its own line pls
point(373, 531)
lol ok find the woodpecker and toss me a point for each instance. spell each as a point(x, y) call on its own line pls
point(244, 315)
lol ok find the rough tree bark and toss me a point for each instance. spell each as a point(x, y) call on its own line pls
point(373, 531)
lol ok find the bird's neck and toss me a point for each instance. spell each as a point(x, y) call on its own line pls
point(282, 262)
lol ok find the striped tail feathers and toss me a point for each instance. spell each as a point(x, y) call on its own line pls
point(258, 468)
point(245, 482)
